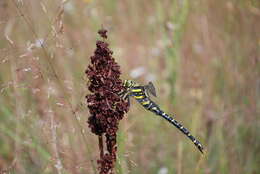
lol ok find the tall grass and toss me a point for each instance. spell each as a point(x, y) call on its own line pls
point(203, 57)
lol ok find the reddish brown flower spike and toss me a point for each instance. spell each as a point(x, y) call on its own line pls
point(105, 106)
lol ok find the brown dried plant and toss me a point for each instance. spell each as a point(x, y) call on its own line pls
point(105, 106)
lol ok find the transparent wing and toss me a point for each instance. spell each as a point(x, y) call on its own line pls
point(151, 89)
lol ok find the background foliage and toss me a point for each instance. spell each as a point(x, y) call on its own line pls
point(203, 57)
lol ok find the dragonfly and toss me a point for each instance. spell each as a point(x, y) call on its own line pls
point(142, 94)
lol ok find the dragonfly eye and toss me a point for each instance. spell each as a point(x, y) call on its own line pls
point(128, 83)
point(125, 83)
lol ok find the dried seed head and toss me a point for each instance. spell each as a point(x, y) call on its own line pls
point(103, 33)
point(105, 106)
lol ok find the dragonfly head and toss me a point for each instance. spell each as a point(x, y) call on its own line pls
point(129, 83)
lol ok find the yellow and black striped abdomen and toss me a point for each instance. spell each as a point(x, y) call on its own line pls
point(183, 130)
point(139, 93)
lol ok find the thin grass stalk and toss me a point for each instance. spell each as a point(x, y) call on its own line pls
point(48, 58)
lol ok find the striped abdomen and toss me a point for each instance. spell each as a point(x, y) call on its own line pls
point(184, 130)
point(140, 95)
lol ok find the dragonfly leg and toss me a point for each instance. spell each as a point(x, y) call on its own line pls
point(128, 100)
point(121, 94)
point(127, 97)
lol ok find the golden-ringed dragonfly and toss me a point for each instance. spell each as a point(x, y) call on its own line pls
point(142, 94)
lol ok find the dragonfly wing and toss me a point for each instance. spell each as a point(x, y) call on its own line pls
point(151, 89)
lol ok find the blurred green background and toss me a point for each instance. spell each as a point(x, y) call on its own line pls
point(203, 57)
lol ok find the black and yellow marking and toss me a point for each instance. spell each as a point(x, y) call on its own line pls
point(136, 90)
point(141, 95)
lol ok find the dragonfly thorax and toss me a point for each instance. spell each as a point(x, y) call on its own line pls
point(129, 83)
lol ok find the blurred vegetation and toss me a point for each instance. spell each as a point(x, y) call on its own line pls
point(203, 57)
